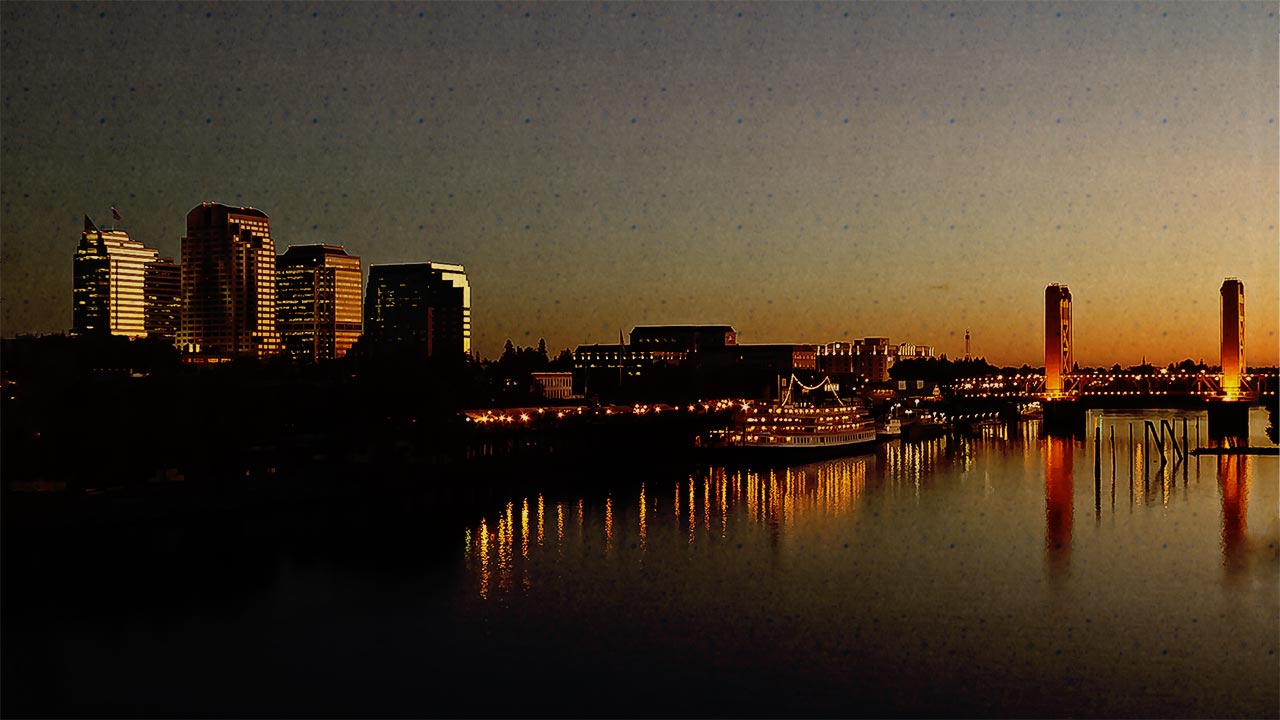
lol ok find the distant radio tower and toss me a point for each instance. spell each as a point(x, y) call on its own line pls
point(966, 345)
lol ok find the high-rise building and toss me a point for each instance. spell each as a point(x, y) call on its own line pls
point(162, 285)
point(1232, 335)
point(425, 305)
point(108, 278)
point(318, 301)
point(1058, 358)
point(228, 283)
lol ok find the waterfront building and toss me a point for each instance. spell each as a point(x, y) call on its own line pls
point(318, 309)
point(1232, 336)
point(650, 344)
point(778, 358)
point(162, 285)
point(675, 344)
point(873, 357)
point(555, 385)
point(108, 283)
point(631, 361)
point(424, 305)
point(228, 284)
point(870, 359)
point(1058, 359)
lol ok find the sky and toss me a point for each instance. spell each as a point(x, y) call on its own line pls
point(806, 172)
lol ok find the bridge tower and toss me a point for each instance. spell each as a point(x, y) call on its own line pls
point(1232, 335)
point(1058, 358)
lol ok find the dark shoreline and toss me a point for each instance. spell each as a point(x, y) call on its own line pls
point(1237, 451)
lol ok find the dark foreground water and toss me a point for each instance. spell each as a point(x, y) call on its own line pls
point(992, 575)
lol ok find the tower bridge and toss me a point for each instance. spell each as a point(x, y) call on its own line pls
point(1227, 394)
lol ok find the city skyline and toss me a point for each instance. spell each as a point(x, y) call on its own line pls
point(803, 173)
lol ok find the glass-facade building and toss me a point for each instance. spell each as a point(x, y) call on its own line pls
point(318, 301)
point(108, 283)
point(426, 306)
point(162, 285)
point(228, 284)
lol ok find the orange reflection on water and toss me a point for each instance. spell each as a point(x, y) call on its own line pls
point(706, 503)
point(693, 522)
point(1233, 481)
point(644, 530)
point(909, 463)
point(540, 511)
point(723, 485)
point(524, 528)
point(1058, 508)
point(781, 500)
point(482, 550)
point(608, 523)
point(506, 545)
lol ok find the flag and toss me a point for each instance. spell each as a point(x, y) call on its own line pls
point(114, 213)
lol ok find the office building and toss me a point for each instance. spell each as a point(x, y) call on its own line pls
point(228, 284)
point(108, 274)
point(162, 285)
point(318, 301)
point(425, 306)
point(1232, 336)
point(1058, 359)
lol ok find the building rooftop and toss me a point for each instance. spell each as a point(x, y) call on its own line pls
point(315, 249)
point(233, 209)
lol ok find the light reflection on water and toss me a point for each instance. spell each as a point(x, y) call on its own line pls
point(779, 498)
point(774, 498)
point(1010, 549)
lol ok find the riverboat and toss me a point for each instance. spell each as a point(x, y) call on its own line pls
point(889, 428)
point(791, 428)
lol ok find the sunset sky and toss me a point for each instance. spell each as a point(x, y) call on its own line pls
point(807, 172)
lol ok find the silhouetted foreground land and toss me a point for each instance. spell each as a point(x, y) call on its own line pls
point(83, 444)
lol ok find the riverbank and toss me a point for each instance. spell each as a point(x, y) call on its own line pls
point(1237, 451)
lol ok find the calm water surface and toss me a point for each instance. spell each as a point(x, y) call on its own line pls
point(995, 575)
point(992, 575)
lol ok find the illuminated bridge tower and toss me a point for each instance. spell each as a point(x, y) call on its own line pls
point(1232, 336)
point(1058, 358)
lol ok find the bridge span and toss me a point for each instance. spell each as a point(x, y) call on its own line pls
point(1227, 395)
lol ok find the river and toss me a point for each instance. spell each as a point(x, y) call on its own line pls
point(1001, 574)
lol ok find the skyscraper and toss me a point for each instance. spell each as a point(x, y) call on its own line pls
point(423, 305)
point(1058, 358)
point(228, 283)
point(318, 301)
point(1232, 351)
point(162, 285)
point(107, 286)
